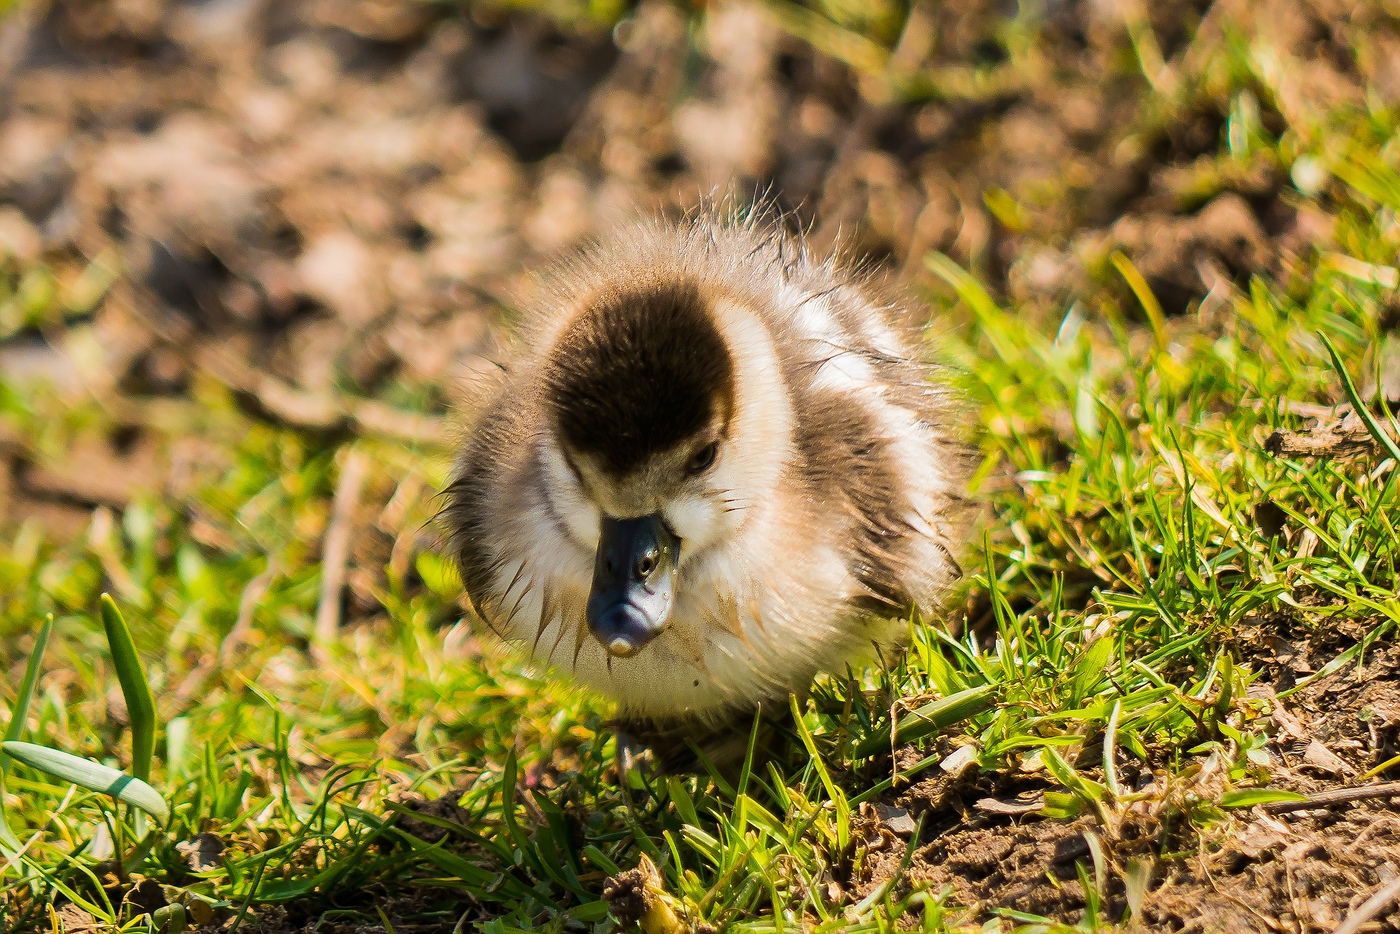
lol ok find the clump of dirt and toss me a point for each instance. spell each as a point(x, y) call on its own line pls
point(1306, 874)
point(1354, 715)
point(1282, 867)
point(1032, 869)
point(627, 896)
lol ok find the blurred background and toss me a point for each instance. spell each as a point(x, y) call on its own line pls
point(321, 208)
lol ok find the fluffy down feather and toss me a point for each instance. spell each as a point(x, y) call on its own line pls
point(834, 506)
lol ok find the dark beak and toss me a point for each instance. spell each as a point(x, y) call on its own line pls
point(632, 579)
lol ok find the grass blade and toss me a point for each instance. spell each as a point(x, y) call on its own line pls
point(18, 714)
point(528, 854)
point(1155, 316)
point(838, 800)
point(9, 843)
point(929, 718)
point(968, 288)
point(1089, 670)
point(1110, 752)
point(1090, 793)
point(26, 688)
point(93, 776)
point(1249, 797)
point(140, 704)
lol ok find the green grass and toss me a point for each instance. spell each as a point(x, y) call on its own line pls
point(1124, 465)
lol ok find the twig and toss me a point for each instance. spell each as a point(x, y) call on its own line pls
point(319, 412)
point(335, 551)
point(1345, 438)
point(1334, 796)
point(275, 399)
point(1370, 907)
point(376, 418)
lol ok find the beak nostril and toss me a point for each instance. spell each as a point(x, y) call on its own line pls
point(630, 600)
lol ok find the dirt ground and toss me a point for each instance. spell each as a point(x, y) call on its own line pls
point(1262, 870)
point(349, 193)
point(328, 206)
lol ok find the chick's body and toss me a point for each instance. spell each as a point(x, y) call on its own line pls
point(776, 422)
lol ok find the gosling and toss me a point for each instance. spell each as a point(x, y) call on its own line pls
point(712, 467)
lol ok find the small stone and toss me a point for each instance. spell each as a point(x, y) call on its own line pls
point(1026, 804)
point(1325, 760)
point(959, 760)
point(896, 820)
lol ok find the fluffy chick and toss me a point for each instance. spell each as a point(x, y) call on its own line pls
point(712, 467)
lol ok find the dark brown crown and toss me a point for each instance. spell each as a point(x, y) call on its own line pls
point(638, 372)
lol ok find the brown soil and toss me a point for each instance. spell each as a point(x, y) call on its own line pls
point(1298, 871)
point(318, 203)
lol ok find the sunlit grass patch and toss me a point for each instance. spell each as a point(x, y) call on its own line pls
point(1125, 473)
point(1102, 659)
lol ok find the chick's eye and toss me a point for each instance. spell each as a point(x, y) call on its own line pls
point(701, 460)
